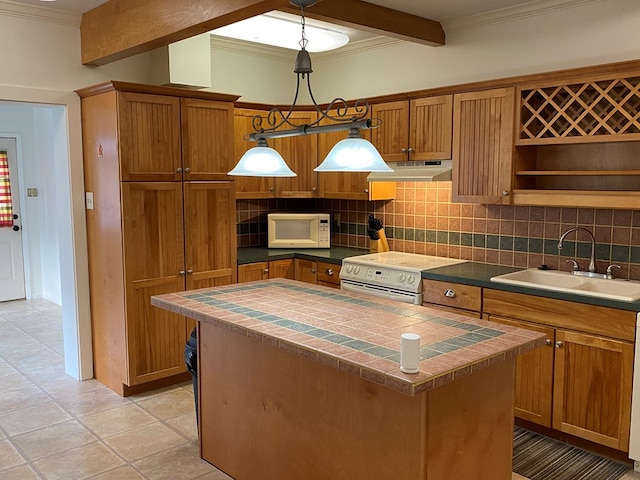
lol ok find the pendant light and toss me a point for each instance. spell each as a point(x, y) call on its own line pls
point(353, 154)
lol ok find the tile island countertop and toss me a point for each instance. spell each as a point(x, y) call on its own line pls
point(353, 332)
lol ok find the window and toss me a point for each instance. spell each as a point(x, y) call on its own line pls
point(6, 211)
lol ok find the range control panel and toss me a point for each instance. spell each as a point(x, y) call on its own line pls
point(387, 276)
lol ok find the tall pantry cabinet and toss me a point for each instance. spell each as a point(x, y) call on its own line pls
point(160, 219)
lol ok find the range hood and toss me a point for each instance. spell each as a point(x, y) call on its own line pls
point(423, 171)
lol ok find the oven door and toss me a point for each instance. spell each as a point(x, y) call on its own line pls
point(382, 291)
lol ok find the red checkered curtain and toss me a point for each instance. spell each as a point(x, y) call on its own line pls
point(6, 212)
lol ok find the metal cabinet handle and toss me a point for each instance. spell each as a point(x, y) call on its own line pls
point(313, 271)
point(411, 150)
point(187, 170)
point(182, 273)
point(505, 193)
point(189, 272)
point(179, 170)
point(404, 150)
point(313, 189)
point(450, 293)
point(547, 341)
point(329, 272)
point(266, 270)
point(558, 344)
point(366, 190)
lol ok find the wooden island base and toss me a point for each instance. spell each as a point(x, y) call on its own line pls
point(271, 414)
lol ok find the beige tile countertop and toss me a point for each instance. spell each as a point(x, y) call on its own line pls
point(354, 332)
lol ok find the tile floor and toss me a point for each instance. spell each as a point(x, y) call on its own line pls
point(54, 427)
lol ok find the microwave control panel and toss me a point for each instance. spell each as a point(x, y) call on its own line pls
point(324, 233)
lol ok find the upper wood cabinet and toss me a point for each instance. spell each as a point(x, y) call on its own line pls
point(418, 129)
point(483, 146)
point(348, 185)
point(207, 128)
point(166, 138)
point(578, 143)
point(301, 154)
point(248, 187)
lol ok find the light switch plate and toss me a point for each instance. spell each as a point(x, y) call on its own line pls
point(89, 200)
point(32, 192)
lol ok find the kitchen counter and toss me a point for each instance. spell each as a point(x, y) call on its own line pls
point(330, 255)
point(283, 360)
point(479, 274)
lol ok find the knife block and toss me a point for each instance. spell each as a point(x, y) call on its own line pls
point(380, 245)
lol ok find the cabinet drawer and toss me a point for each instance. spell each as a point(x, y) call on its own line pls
point(455, 295)
point(329, 273)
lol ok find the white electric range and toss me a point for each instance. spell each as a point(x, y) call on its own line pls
point(393, 275)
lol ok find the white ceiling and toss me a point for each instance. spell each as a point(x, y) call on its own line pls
point(440, 10)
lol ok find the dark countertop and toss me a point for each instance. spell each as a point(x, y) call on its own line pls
point(469, 273)
point(331, 255)
point(479, 274)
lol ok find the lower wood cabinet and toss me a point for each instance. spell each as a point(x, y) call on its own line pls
point(580, 383)
point(320, 273)
point(250, 272)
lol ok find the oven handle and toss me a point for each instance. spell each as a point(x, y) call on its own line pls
point(414, 298)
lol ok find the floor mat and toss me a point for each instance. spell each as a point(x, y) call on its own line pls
point(538, 457)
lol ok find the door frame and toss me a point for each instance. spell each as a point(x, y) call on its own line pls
point(21, 195)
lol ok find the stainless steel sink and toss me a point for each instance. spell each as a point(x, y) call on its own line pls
point(622, 290)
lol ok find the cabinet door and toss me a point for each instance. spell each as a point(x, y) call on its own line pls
point(430, 127)
point(210, 234)
point(248, 187)
point(250, 272)
point(392, 137)
point(301, 154)
point(207, 139)
point(483, 146)
point(149, 137)
point(282, 268)
point(328, 274)
point(154, 260)
point(534, 376)
point(306, 270)
point(592, 388)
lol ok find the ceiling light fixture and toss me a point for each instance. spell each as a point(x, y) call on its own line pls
point(354, 154)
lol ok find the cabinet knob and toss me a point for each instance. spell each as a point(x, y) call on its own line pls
point(329, 272)
point(411, 150)
point(505, 193)
point(450, 293)
point(404, 150)
point(558, 344)
point(313, 189)
point(189, 272)
point(266, 270)
point(182, 273)
point(547, 341)
point(313, 270)
point(366, 190)
point(271, 189)
point(187, 170)
point(179, 170)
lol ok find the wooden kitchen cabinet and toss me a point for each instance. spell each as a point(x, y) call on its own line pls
point(483, 146)
point(320, 273)
point(453, 297)
point(418, 129)
point(348, 185)
point(148, 237)
point(250, 272)
point(588, 393)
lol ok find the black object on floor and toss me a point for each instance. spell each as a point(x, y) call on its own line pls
point(538, 457)
point(191, 361)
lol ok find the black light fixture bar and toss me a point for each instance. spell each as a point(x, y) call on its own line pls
point(308, 130)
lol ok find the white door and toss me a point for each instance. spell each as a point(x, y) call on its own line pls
point(11, 261)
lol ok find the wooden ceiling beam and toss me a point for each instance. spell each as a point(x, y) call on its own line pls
point(121, 28)
point(376, 19)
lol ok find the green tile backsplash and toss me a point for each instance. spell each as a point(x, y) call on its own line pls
point(422, 219)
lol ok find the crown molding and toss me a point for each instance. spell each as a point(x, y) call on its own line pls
point(509, 14)
point(42, 14)
point(252, 49)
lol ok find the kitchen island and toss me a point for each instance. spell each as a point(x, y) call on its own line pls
point(302, 381)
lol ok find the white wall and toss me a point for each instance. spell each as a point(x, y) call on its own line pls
point(590, 32)
point(41, 66)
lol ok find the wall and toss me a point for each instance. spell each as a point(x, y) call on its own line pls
point(422, 219)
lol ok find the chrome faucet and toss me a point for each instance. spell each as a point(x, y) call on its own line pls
point(592, 261)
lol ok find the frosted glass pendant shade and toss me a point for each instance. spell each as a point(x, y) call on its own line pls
point(262, 161)
point(353, 154)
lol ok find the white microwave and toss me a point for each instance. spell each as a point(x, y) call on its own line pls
point(299, 230)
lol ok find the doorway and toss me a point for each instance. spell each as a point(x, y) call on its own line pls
point(12, 284)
